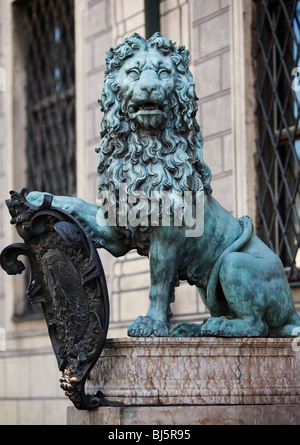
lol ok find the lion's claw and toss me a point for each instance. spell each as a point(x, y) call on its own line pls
point(146, 326)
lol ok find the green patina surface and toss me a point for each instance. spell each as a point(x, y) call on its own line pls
point(151, 142)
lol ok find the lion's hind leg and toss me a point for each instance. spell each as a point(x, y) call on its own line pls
point(241, 280)
point(290, 329)
point(237, 327)
point(222, 327)
point(184, 329)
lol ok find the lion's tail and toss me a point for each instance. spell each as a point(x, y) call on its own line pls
point(212, 301)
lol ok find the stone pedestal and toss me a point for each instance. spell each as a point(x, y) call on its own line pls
point(166, 381)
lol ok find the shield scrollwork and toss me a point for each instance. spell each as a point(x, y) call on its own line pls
point(68, 280)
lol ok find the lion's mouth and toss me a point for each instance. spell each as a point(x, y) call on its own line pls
point(148, 115)
point(149, 106)
point(146, 108)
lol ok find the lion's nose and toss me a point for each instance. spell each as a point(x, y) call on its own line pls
point(149, 82)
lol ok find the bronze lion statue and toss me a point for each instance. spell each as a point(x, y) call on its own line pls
point(151, 144)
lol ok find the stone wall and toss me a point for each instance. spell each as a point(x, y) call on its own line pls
point(3, 87)
point(29, 388)
point(211, 69)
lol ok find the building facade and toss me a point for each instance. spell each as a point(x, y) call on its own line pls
point(244, 58)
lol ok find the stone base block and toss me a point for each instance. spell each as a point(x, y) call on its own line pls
point(187, 415)
point(190, 381)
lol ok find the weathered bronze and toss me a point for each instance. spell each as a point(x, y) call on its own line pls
point(151, 142)
point(68, 280)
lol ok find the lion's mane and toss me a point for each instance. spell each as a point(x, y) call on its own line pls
point(171, 161)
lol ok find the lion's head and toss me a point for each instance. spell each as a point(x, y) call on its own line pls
point(150, 137)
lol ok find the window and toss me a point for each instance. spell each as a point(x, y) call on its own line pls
point(278, 143)
point(50, 66)
point(45, 68)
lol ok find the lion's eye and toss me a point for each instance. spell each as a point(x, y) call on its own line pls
point(163, 74)
point(133, 74)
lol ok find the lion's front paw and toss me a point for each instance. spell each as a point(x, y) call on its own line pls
point(36, 198)
point(146, 326)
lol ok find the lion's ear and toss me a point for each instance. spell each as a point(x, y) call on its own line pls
point(184, 55)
